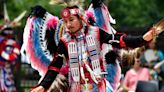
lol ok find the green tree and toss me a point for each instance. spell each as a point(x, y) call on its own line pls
point(15, 7)
point(135, 13)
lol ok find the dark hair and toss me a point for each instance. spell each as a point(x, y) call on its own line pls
point(72, 7)
point(7, 31)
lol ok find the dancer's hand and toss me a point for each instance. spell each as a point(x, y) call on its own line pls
point(38, 89)
point(158, 65)
point(148, 36)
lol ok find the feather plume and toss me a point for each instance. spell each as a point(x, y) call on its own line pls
point(16, 21)
point(102, 18)
point(6, 16)
point(67, 2)
point(36, 41)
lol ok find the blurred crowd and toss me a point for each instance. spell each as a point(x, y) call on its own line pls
point(145, 70)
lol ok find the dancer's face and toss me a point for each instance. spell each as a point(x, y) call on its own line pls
point(73, 23)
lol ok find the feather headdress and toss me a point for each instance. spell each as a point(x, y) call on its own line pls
point(67, 2)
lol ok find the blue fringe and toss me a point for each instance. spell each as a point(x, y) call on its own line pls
point(36, 43)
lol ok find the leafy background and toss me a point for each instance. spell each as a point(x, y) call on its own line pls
point(128, 13)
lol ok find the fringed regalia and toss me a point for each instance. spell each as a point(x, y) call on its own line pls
point(86, 67)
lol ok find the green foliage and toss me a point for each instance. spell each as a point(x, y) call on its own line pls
point(135, 13)
point(20, 5)
point(160, 7)
point(15, 7)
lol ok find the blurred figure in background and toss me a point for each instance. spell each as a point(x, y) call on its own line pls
point(137, 72)
point(154, 59)
point(9, 51)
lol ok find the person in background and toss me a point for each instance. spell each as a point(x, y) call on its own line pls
point(156, 60)
point(9, 52)
point(137, 72)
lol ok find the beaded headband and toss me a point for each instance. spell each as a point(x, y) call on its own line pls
point(68, 12)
